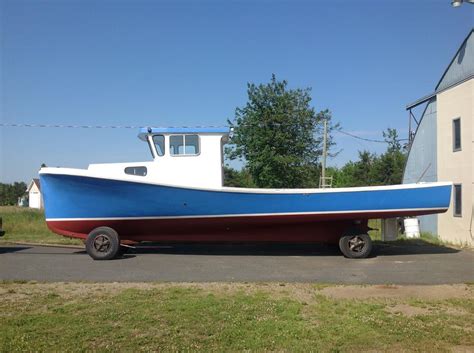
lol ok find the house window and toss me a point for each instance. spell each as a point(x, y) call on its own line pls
point(457, 134)
point(457, 200)
point(141, 171)
point(184, 145)
point(159, 141)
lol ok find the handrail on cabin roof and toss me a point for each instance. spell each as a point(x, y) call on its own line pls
point(183, 130)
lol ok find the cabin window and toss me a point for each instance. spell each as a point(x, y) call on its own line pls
point(457, 200)
point(184, 145)
point(159, 141)
point(141, 171)
point(457, 134)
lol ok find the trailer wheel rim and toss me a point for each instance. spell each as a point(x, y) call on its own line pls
point(357, 244)
point(102, 243)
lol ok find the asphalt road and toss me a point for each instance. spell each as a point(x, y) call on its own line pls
point(394, 264)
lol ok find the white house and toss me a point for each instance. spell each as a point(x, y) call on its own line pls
point(442, 148)
point(34, 194)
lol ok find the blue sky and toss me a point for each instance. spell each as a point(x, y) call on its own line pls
point(164, 63)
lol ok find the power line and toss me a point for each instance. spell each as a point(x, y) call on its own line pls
point(97, 126)
point(140, 127)
point(73, 126)
point(363, 138)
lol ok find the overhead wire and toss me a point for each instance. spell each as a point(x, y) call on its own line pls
point(364, 138)
point(69, 126)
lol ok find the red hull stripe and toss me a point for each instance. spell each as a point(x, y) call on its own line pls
point(325, 215)
point(288, 228)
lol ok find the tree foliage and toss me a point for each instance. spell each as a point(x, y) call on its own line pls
point(368, 169)
point(238, 178)
point(9, 193)
point(279, 135)
point(372, 169)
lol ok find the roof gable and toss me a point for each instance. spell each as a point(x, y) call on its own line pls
point(36, 182)
point(461, 66)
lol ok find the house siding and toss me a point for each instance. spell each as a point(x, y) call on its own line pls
point(457, 165)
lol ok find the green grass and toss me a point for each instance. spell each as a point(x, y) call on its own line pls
point(425, 238)
point(376, 225)
point(185, 318)
point(28, 225)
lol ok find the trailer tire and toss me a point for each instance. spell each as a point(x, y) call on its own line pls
point(355, 245)
point(103, 243)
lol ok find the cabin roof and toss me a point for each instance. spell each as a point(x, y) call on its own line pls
point(183, 130)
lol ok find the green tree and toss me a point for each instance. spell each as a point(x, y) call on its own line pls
point(391, 163)
point(372, 169)
point(9, 193)
point(359, 173)
point(238, 178)
point(279, 135)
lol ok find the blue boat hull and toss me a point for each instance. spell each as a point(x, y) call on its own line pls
point(75, 205)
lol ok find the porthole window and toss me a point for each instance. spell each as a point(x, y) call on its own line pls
point(141, 171)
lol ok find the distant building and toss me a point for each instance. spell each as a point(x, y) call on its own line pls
point(441, 148)
point(23, 201)
point(34, 194)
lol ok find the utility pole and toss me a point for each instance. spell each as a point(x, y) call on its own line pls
point(323, 164)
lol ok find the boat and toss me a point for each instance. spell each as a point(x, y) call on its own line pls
point(178, 196)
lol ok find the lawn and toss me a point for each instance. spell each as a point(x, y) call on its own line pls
point(28, 225)
point(224, 316)
point(232, 317)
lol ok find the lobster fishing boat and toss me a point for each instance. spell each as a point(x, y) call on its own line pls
point(179, 197)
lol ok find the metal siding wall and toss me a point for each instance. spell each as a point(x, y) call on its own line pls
point(462, 65)
point(422, 156)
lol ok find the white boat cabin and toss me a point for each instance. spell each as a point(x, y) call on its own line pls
point(191, 157)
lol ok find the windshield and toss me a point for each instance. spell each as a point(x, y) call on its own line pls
point(159, 141)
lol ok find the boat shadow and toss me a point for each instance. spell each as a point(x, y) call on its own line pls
point(239, 249)
point(411, 247)
point(11, 249)
point(405, 247)
point(128, 255)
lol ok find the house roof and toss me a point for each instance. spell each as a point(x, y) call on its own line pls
point(461, 65)
point(34, 181)
point(459, 70)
